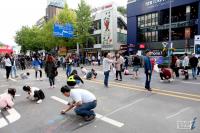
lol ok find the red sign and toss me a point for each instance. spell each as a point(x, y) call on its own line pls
point(5, 49)
point(142, 46)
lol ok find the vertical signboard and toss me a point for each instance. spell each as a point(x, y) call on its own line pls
point(197, 45)
point(107, 28)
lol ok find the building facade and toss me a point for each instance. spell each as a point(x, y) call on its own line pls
point(53, 8)
point(148, 24)
point(109, 28)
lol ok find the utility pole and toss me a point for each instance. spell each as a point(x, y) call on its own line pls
point(170, 26)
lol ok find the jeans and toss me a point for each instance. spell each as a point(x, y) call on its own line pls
point(52, 81)
point(69, 69)
point(194, 71)
point(106, 74)
point(86, 109)
point(148, 80)
point(13, 72)
point(8, 70)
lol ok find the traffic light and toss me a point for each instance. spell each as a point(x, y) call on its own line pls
point(197, 49)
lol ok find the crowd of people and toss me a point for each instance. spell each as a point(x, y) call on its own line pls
point(84, 101)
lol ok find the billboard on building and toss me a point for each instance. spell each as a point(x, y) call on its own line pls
point(66, 30)
point(107, 28)
point(57, 3)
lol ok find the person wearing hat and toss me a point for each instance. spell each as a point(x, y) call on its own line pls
point(6, 99)
point(83, 102)
point(148, 69)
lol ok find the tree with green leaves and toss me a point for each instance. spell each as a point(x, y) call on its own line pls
point(122, 10)
point(29, 39)
point(36, 38)
point(84, 24)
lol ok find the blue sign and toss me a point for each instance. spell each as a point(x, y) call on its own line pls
point(66, 30)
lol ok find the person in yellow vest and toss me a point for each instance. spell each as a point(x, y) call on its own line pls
point(74, 80)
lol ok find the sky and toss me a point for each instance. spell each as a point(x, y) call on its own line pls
point(17, 13)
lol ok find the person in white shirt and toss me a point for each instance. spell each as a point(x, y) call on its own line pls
point(34, 93)
point(13, 68)
point(84, 71)
point(83, 101)
point(8, 65)
point(186, 61)
point(198, 66)
point(107, 62)
point(177, 67)
point(25, 75)
point(186, 66)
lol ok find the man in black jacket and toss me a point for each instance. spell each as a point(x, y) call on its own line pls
point(193, 64)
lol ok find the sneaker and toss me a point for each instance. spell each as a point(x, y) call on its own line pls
point(41, 79)
point(76, 86)
point(39, 101)
point(54, 86)
point(116, 79)
point(50, 87)
point(37, 79)
point(89, 118)
point(161, 80)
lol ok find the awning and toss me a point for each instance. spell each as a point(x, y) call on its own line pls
point(4, 51)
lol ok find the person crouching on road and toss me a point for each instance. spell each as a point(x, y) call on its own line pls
point(83, 101)
point(34, 93)
point(84, 71)
point(74, 80)
point(6, 99)
point(92, 74)
point(25, 75)
point(166, 74)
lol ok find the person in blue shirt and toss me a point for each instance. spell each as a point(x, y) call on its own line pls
point(36, 63)
point(147, 69)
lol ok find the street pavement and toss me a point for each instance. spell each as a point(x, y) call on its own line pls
point(124, 107)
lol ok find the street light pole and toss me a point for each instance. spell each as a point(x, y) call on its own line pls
point(170, 24)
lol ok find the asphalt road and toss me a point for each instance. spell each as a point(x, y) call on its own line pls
point(124, 107)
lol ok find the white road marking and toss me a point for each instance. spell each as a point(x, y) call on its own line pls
point(179, 112)
point(12, 117)
point(3, 122)
point(59, 100)
point(13, 80)
point(103, 118)
point(3, 85)
point(190, 83)
point(110, 121)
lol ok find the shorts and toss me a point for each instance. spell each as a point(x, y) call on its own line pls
point(136, 68)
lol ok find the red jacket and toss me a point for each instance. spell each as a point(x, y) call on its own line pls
point(166, 72)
